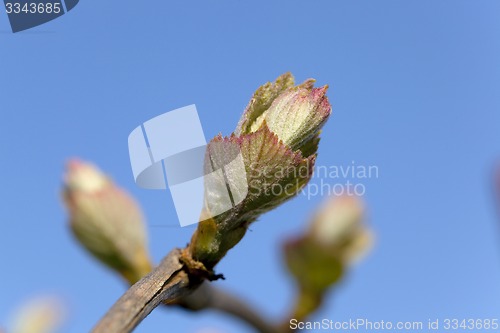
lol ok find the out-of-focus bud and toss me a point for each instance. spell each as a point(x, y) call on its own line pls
point(497, 181)
point(106, 221)
point(319, 258)
point(40, 315)
point(496, 185)
point(277, 137)
point(338, 227)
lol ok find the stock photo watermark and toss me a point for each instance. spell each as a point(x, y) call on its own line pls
point(27, 14)
point(327, 180)
point(364, 324)
point(171, 151)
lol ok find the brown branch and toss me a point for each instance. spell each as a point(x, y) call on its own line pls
point(170, 284)
point(166, 283)
point(209, 297)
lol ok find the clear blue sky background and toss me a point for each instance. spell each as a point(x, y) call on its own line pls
point(415, 91)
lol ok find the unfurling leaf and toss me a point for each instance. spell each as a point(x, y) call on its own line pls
point(262, 100)
point(277, 138)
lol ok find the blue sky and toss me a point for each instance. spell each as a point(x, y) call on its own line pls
point(414, 88)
